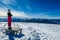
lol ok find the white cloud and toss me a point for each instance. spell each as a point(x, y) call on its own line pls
point(3, 13)
point(19, 14)
point(44, 16)
point(49, 17)
point(4, 8)
point(8, 1)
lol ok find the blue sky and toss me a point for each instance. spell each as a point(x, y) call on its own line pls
point(33, 8)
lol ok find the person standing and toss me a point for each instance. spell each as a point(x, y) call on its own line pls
point(9, 19)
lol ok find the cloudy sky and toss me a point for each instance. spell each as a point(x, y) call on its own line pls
point(31, 8)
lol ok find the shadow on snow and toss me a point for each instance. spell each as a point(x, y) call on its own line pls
point(12, 35)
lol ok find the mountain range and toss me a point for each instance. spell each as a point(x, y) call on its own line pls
point(33, 20)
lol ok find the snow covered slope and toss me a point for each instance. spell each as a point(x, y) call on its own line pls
point(33, 31)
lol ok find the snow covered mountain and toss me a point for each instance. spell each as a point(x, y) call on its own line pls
point(33, 20)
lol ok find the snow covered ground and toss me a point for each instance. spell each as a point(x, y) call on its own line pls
point(33, 31)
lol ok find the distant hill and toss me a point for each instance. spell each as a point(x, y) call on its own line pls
point(34, 20)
